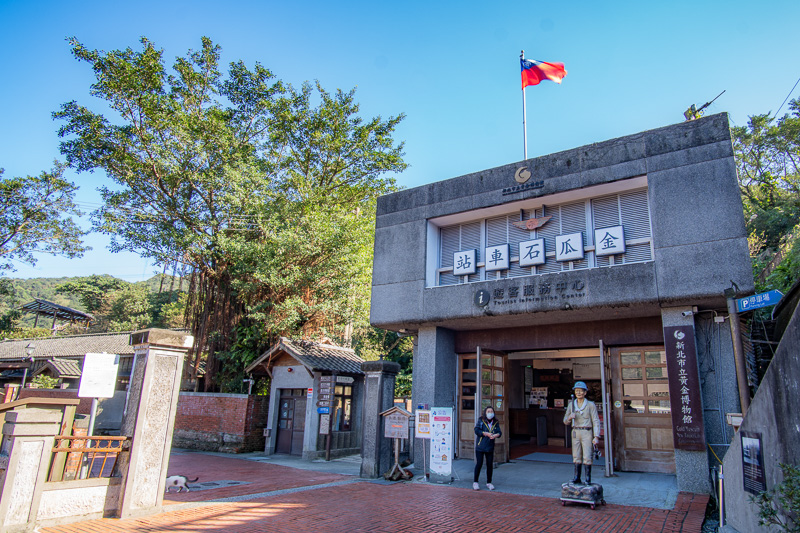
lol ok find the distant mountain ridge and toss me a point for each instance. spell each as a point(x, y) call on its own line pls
point(45, 289)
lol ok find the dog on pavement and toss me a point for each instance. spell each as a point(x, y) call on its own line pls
point(180, 482)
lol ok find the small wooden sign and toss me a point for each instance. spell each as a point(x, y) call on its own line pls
point(395, 422)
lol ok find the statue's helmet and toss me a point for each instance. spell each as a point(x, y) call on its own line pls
point(580, 385)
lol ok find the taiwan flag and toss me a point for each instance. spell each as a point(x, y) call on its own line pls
point(535, 71)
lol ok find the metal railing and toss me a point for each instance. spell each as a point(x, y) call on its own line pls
point(82, 457)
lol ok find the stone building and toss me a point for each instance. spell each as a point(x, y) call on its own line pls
point(606, 263)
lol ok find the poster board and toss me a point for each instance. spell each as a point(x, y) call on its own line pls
point(423, 423)
point(753, 463)
point(442, 441)
point(538, 397)
point(99, 375)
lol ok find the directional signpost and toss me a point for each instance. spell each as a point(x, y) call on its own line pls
point(757, 301)
point(324, 403)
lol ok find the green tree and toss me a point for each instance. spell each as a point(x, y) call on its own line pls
point(43, 381)
point(129, 308)
point(767, 154)
point(92, 291)
point(265, 192)
point(36, 217)
point(780, 506)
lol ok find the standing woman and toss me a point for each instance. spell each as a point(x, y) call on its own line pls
point(486, 431)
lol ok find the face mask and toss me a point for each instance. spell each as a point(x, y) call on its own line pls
point(489, 415)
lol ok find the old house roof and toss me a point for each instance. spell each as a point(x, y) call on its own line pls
point(61, 368)
point(68, 346)
point(315, 356)
point(43, 307)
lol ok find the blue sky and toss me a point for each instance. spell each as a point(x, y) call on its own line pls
point(451, 67)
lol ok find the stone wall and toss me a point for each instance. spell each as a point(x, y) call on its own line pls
point(232, 423)
point(774, 415)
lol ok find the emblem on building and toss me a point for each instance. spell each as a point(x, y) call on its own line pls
point(532, 223)
point(522, 174)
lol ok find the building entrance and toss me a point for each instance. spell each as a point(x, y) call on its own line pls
point(482, 384)
point(530, 391)
point(291, 422)
point(643, 442)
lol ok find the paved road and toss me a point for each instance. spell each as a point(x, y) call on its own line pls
point(283, 499)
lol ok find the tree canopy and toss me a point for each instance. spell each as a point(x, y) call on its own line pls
point(36, 217)
point(265, 191)
point(767, 153)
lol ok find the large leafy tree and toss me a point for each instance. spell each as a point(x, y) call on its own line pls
point(36, 217)
point(92, 291)
point(767, 153)
point(266, 192)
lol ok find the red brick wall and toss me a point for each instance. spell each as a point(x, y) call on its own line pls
point(220, 422)
point(84, 408)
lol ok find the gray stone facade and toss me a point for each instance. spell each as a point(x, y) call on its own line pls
point(698, 240)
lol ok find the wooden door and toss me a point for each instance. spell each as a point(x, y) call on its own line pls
point(481, 384)
point(291, 422)
point(643, 421)
point(467, 397)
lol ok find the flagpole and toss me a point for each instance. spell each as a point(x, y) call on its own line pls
point(524, 115)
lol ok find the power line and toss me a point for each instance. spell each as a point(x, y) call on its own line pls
point(787, 97)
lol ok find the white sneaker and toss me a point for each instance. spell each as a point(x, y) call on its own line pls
point(490, 486)
point(475, 486)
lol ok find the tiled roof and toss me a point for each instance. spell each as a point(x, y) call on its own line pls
point(69, 346)
point(314, 356)
point(61, 368)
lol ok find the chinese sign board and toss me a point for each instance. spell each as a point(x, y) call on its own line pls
point(99, 375)
point(465, 263)
point(753, 463)
point(609, 241)
point(325, 393)
point(757, 301)
point(684, 389)
point(533, 291)
point(442, 440)
point(531, 253)
point(324, 424)
point(569, 247)
point(497, 258)
point(395, 426)
point(423, 423)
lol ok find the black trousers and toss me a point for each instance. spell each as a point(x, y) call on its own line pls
point(479, 456)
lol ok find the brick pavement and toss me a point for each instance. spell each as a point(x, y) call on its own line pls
point(260, 477)
point(404, 507)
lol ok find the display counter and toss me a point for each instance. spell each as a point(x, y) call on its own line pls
point(523, 422)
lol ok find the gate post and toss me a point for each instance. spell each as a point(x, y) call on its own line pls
point(378, 397)
point(150, 416)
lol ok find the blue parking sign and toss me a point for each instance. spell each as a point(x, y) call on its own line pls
point(757, 301)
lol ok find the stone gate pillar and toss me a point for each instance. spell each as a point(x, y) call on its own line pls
point(376, 450)
point(150, 415)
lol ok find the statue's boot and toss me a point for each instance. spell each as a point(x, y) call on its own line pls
point(587, 470)
point(577, 478)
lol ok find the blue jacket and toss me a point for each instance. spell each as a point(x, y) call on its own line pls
point(485, 444)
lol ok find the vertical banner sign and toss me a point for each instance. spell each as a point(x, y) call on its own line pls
point(442, 440)
point(753, 463)
point(684, 389)
point(423, 424)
